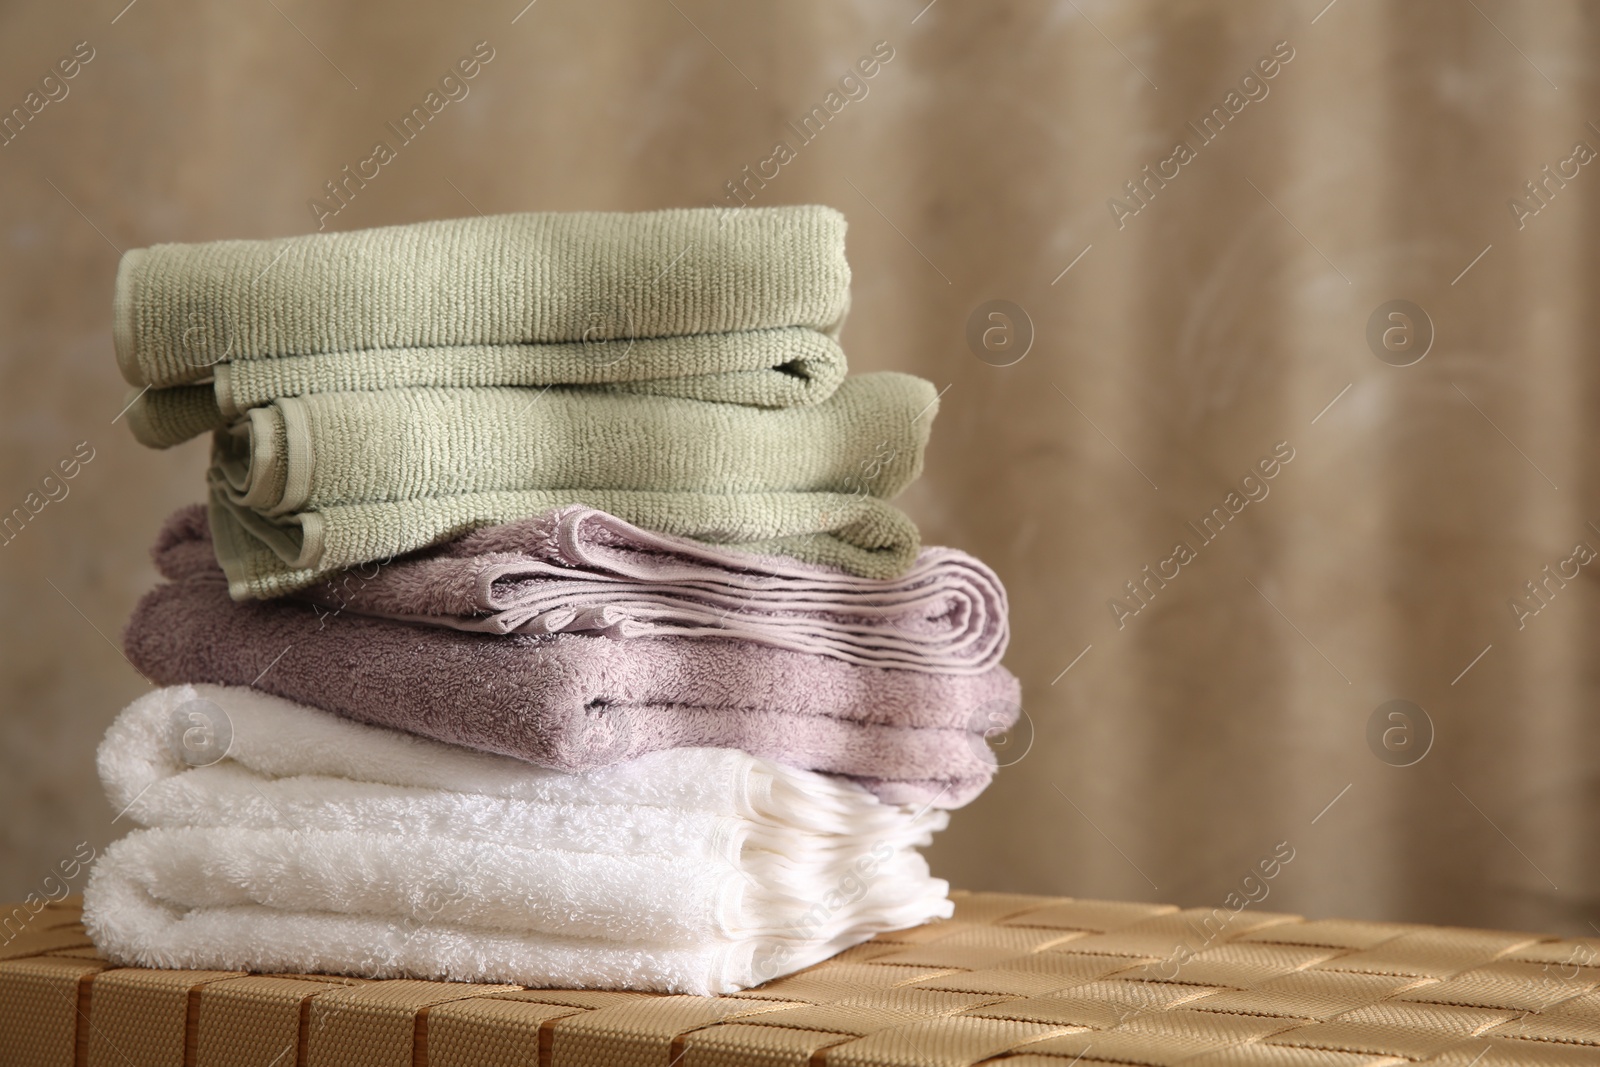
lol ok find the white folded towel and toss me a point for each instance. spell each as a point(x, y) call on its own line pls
point(284, 838)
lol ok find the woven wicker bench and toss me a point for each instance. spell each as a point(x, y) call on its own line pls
point(1026, 981)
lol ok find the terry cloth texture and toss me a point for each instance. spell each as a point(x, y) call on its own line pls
point(531, 278)
point(307, 486)
point(269, 557)
point(305, 453)
point(578, 570)
point(741, 307)
point(775, 368)
point(263, 557)
point(282, 838)
point(575, 702)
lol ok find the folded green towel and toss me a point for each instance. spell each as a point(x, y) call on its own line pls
point(337, 479)
point(304, 453)
point(161, 418)
point(782, 367)
point(592, 279)
point(265, 557)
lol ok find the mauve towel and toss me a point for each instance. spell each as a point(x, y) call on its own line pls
point(581, 570)
point(574, 702)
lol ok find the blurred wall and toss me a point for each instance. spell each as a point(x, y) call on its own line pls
point(1179, 335)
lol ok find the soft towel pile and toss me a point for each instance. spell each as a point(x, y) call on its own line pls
point(548, 622)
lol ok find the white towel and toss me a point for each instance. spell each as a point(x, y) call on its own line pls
point(284, 838)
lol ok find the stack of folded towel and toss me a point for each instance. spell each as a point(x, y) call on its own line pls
point(378, 391)
point(547, 622)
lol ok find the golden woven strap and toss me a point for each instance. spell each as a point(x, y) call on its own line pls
point(140, 1018)
point(378, 1024)
point(1011, 981)
point(41, 1005)
point(254, 1021)
point(491, 1030)
point(639, 1032)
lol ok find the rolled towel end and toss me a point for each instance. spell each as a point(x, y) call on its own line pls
point(162, 418)
point(122, 310)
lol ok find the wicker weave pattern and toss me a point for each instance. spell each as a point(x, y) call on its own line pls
point(1024, 981)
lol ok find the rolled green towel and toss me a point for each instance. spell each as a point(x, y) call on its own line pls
point(782, 367)
point(316, 483)
point(304, 453)
point(265, 557)
point(161, 418)
point(592, 281)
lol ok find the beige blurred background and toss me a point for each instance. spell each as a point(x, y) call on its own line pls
point(1172, 350)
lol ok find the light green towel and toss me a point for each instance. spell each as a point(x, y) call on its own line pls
point(781, 367)
point(590, 279)
point(337, 479)
point(265, 558)
point(161, 418)
point(305, 453)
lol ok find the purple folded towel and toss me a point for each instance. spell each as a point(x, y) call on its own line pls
point(573, 702)
point(579, 570)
